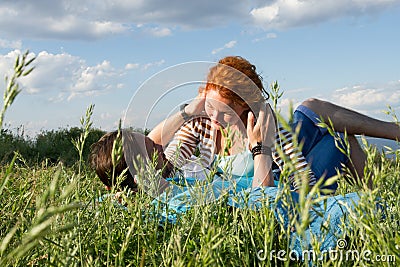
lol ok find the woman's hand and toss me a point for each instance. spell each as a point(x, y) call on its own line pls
point(264, 129)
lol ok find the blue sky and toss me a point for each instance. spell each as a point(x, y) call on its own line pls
point(102, 52)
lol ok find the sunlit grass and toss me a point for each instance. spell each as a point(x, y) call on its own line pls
point(39, 225)
point(50, 216)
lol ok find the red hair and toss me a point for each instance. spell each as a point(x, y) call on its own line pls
point(236, 79)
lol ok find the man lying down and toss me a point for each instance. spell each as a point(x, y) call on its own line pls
point(176, 191)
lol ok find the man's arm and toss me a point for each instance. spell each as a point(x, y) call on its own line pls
point(163, 133)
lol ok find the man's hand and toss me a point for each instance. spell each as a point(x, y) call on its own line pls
point(196, 107)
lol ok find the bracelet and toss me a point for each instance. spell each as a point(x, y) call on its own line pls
point(184, 115)
point(260, 149)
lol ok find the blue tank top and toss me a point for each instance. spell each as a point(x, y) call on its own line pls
point(239, 165)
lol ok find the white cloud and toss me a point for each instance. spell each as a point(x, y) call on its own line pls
point(281, 14)
point(53, 19)
point(228, 45)
point(6, 62)
point(270, 35)
point(103, 28)
point(145, 66)
point(60, 76)
point(92, 19)
point(152, 64)
point(285, 104)
point(57, 99)
point(131, 66)
point(159, 32)
point(355, 97)
point(369, 99)
point(10, 44)
point(93, 79)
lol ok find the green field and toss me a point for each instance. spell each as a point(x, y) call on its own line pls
point(50, 216)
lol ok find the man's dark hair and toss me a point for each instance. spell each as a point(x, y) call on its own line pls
point(100, 159)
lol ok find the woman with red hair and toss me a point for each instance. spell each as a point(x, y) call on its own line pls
point(231, 118)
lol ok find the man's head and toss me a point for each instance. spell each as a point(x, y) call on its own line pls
point(134, 144)
point(100, 159)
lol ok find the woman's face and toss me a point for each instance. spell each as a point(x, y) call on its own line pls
point(222, 111)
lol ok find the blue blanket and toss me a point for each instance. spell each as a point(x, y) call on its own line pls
point(326, 216)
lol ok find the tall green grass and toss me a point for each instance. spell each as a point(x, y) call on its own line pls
point(12, 89)
point(50, 216)
point(46, 221)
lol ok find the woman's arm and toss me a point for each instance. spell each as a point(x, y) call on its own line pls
point(263, 171)
point(163, 133)
point(263, 131)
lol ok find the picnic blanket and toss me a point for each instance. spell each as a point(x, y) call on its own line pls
point(326, 216)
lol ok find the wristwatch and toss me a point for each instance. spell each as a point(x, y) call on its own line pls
point(260, 149)
point(185, 116)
